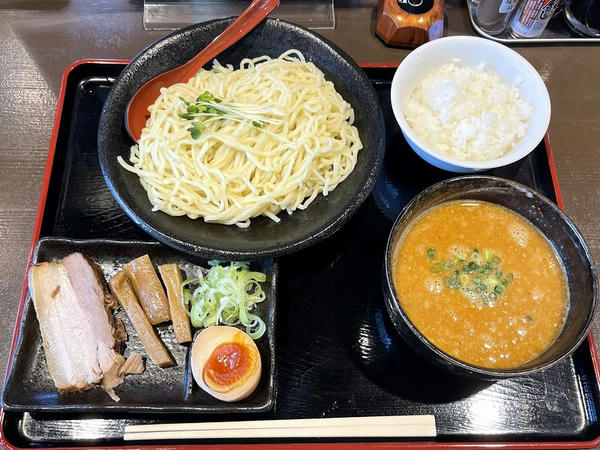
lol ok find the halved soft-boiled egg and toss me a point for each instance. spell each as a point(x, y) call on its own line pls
point(226, 363)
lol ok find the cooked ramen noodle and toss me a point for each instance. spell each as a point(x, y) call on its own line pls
point(231, 145)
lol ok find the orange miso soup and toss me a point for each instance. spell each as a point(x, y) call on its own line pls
point(481, 283)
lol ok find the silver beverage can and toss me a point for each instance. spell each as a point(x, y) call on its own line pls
point(532, 17)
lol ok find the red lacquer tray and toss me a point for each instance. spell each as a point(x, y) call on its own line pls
point(346, 361)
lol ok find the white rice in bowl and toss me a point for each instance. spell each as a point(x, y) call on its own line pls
point(468, 113)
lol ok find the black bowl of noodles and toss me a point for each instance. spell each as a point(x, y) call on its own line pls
point(263, 238)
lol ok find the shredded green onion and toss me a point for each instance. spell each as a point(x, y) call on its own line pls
point(226, 295)
point(479, 279)
point(431, 253)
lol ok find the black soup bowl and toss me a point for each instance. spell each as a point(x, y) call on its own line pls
point(554, 225)
point(264, 238)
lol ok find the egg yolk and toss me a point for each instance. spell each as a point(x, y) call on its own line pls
point(228, 365)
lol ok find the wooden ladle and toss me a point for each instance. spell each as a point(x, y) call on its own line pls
point(136, 112)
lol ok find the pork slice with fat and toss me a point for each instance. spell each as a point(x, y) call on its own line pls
point(92, 296)
point(69, 343)
point(81, 337)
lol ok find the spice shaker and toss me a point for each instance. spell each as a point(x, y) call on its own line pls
point(492, 16)
point(409, 23)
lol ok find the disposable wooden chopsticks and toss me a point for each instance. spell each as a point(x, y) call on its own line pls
point(374, 426)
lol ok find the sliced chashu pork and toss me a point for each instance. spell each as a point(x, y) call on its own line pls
point(79, 333)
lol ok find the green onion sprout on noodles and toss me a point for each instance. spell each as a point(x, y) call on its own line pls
point(236, 170)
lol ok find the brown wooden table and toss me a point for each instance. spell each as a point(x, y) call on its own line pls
point(39, 39)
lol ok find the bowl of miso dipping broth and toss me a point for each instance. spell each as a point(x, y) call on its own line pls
point(488, 278)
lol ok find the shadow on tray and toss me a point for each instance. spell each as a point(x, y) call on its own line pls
point(386, 359)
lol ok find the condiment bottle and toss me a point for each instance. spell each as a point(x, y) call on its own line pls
point(492, 16)
point(409, 23)
point(531, 18)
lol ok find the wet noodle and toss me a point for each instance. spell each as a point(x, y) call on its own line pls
point(291, 139)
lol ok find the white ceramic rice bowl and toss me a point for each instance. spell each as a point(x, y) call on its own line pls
point(471, 51)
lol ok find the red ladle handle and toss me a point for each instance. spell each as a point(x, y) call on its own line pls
point(250, 18)
point(136, 112)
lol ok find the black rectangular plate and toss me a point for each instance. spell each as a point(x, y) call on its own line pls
point(30, 388)
point(337, 353)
